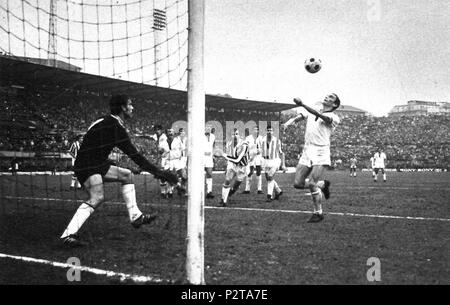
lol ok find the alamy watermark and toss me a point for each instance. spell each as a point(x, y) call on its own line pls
point(74, 274)
point(374, 272)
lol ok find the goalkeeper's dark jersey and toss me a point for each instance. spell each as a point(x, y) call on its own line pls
point(102, 136)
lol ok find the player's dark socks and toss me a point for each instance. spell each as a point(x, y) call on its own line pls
point(143, 220)
point(316, 217)
point(326, 189)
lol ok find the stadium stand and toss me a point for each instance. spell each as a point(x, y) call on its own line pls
point(40, 116)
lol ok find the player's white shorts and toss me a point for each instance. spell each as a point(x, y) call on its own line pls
point(234, 169)
point(315, 155)
point(352, 166)
point(183, 162)
point(256, 161)
point(271, 166)
point(209, 162)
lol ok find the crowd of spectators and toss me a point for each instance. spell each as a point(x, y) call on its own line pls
point(47, 120)
point(408, 142)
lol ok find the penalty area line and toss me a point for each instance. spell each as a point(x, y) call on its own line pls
point(108, 273)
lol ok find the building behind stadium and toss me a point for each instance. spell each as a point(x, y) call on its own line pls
point(415, 108)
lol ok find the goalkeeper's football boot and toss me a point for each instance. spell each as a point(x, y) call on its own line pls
point(326, 189)
point(143, 220)
point(72, 241)
point(246, 192)
point(210, 195)
point(316, 218)
point(260, 192)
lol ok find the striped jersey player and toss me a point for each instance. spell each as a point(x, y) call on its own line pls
point(210, 142)
point(238, 158)
point(73, 151)
point(254, 142)
point(271, 152)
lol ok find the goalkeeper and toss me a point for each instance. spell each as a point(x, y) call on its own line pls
point(92, 168)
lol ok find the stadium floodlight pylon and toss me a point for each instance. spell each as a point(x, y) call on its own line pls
point(196, 131)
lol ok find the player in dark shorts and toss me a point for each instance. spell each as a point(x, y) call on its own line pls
point(93, 168)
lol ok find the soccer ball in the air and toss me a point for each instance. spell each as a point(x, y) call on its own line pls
point(313, 65)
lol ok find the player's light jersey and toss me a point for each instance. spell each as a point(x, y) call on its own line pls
point(176, 148)
point(74, 148)
point(353, 161)
point(163, 146)
point(209, 144)
point(183, 145)
point(239, 153)
point(379, 160)
point(271, 149)
point(254, 145)
point(317, 131)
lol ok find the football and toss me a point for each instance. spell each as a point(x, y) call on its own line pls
point(313, 65)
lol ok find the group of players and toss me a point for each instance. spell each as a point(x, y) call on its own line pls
point(377, 163)
point(244, 157)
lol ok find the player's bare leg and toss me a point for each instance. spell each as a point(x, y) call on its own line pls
point(301, 173)
point(259, 179)
point(94, 188)
point(270, 187)
point(226, 188)
point(277, 189)
point(248, 180)
point(316, 192)
point(126, 178)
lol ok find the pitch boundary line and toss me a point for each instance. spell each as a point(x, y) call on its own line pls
point(256, 210)
point(122, 276)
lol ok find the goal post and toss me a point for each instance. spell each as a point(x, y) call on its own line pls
point(196, 131)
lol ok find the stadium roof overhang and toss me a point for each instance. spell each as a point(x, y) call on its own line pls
point(18, 72)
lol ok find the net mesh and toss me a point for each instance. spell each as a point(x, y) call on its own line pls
point(143, 42)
